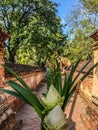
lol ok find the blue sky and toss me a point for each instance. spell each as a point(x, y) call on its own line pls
point(65, 7)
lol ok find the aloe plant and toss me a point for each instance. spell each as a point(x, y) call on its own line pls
point(51, 107)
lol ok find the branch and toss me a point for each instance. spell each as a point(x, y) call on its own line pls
point(27, 11)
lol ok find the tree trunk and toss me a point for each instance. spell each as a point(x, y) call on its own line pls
point(12, 58)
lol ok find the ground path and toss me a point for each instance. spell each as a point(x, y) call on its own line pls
point(30, 121)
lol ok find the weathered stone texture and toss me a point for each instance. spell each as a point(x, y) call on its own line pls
point(32, 79)
point(86, 87)
point(3, 36)
point(6, 114)
point(95, 72)
point(89, 86)
point(1, 62)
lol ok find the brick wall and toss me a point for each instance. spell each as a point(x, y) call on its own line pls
point(94, 92)
point(90, 87)
point(7, 117)
point(33, 79)
point(3, 36)
point(10, 103)
point(1, 62)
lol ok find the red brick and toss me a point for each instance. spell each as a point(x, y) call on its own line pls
point(86, 121)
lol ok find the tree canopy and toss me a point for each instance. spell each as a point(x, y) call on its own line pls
point(32, 24)
point(90, 5)
point(81, 23)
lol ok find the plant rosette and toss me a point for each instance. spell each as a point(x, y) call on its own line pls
point(50, 108)
point(52, 99)
point(55, 119)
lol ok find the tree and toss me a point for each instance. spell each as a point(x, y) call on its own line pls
point(90, 5)
point(81, 24)
point(92, 8)
point(31, 23)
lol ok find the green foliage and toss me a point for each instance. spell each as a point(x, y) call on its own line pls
point(43, 106)
point(79, 47)
point(81, 24)
point(57, 97)
point(67, 89)
point(91, 5)
point(23, 92)
point(31, 24)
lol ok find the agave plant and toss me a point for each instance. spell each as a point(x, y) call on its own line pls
point(51, 107)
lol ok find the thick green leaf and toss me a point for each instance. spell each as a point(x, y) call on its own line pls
point(67, 87)
point(59, 79)
point(17, 77)
point(13, 94)
point(29, 96)
point(87, 73)
point(65, 84)
point(74, 67)
point(73, 88)
point(79, 73)
point(25, 91)
point(24, 85)
point(69, 95)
